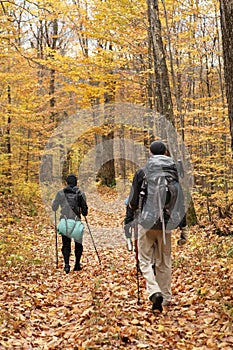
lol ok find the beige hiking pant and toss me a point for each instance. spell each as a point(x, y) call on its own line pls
point(151, 248)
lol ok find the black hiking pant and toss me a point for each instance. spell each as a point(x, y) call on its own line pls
point(66, 250)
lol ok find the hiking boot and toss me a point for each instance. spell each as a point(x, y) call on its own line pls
point(129, 244)
point(77, 267)
point(183, 236)
point(181, 241)
point(67, 268)
point(157, 300)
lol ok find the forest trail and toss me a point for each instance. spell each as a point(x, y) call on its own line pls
point(42, 308)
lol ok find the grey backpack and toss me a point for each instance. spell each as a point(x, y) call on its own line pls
point(163, 204)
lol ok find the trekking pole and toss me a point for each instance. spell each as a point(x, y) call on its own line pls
point(136, 257)
point(137, 266)
point(138, 285)
point(55, 220)
point(92, 240)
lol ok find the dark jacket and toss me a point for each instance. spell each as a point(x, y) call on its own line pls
point(80, 202)
point(136, 189)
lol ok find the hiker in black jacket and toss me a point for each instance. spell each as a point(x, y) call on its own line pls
point(151, 242)
point(79, 207)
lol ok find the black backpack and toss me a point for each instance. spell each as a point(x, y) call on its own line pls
point(71, 204)
point(161, 199)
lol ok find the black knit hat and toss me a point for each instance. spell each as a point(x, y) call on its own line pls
point(71, 180)
point(157, 147)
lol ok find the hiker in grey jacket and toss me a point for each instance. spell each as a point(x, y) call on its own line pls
point(153, 244)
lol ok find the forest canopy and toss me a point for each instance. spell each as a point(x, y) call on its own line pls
point(61, 57)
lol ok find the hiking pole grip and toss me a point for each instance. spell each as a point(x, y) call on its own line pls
point(92, 239)
point(56, 245)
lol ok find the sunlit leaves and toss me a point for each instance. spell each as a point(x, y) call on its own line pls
point(41, 307)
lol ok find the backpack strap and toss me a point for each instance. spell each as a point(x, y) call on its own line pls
point(161, 212)
point(142, 194)
point(75, 222)
point(79, 194)
point(69, 234)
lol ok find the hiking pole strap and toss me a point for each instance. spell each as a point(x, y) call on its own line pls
point(69, 234)
point(56, 246)
point(92, 240)
point(142, 194)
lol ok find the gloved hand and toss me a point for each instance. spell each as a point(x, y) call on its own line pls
point(128, 235)
point(183, 236)
point(129, 244)
point(127, 227)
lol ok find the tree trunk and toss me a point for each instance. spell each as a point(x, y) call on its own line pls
point(163, 95)
point(162, 88)
point(8, 135)
point(226, 9)
point(176, 81)
point(106, 174)
point(52, 71)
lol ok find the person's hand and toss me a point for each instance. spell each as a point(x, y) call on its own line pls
point(127, 228)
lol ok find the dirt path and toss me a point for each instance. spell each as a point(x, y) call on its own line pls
point(42, 308)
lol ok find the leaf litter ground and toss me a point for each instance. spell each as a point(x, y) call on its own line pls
point(97, 308)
